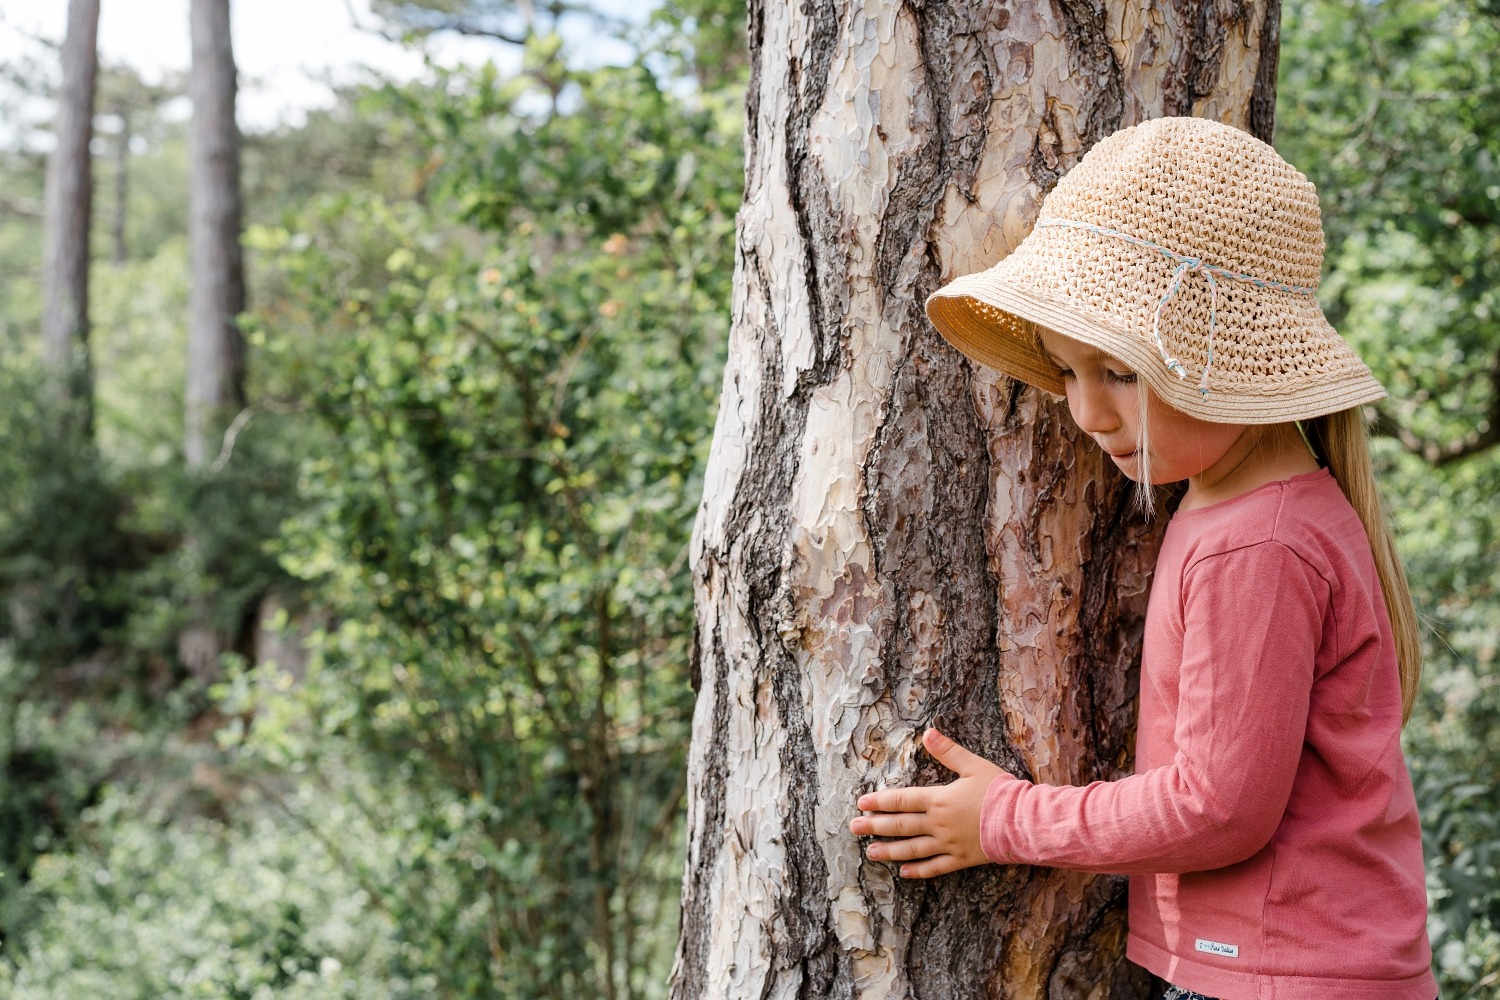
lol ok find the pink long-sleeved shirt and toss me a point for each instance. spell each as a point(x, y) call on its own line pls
point(1270, 830)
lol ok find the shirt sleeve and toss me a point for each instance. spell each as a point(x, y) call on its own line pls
point(1253, 619)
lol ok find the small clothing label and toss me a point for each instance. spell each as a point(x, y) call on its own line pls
point(1218, 948)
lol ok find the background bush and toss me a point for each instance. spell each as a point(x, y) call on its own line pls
point(487, 331)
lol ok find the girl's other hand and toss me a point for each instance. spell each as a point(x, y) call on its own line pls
point(937, 826)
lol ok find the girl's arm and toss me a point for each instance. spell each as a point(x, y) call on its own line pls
point(1253, 620)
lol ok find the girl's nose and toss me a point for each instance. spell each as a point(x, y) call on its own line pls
point(1092, 409)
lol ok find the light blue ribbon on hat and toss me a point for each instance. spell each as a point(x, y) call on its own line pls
point(1185, 266)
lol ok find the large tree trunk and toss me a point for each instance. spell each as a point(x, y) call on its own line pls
point(216, 366)
point(890, 538)
point(68, 204)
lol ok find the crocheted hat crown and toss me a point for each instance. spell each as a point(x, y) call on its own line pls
point(1191, 251)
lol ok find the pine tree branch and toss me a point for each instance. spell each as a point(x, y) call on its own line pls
point(456, 25)
point(461, 27)
point(1484, 435)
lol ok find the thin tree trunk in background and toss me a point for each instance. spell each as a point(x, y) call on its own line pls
point(890, 538)
point(67, 207)
point(122, 184)
point(216, 349)
point(216, 365)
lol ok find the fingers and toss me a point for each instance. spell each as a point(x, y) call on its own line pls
point(904, 850)
point(942, 864)
point(896, 800)
point(935, 828)
point(890, 825)
point(950, 754)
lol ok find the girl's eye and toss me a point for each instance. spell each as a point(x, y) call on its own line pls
point(1065, 373)
point(1122, 378)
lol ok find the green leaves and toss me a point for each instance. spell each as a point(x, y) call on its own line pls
point(1391, 110)
point(516, 380)
point(488, 322)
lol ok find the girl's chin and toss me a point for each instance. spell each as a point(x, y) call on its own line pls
point(1130, 465)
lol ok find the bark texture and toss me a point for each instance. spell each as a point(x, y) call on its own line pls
point(68, 204)
point(890, 538)
point(216, 352)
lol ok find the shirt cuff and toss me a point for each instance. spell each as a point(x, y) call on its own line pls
point(997, 819)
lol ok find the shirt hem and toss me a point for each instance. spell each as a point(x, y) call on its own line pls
point(1226, 984)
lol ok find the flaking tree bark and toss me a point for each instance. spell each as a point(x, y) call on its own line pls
point(890, 538)
point(216, 351)
point(67, 208)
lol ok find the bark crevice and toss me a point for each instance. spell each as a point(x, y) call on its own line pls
point(1263, 98)
point(696, 895)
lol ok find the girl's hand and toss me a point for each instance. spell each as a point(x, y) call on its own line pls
point(937, 824)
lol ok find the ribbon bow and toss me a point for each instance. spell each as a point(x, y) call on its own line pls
point(1185, 266)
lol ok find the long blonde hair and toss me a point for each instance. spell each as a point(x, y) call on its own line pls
point(1343, 443)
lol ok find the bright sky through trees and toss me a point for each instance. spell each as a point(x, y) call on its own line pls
point(286, 50)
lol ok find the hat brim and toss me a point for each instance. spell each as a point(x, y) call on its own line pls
point(995, 322)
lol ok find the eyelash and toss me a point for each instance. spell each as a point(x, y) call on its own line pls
point(1119, 378)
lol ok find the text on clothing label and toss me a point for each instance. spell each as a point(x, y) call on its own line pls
point(1219, 948)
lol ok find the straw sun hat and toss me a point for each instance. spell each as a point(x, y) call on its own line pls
point(1190, 251)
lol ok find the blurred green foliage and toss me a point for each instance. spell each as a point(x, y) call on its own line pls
point(487, 329)
point(519, 376)
point(46, 781)
point(1393, 110)
point(61, 565)
point(163, 904)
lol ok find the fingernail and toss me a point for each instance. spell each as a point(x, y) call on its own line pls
point(905, 871)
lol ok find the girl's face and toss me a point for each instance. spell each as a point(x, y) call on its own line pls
point(1106, 404)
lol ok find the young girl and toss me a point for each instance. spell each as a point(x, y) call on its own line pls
point(1270, 830)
